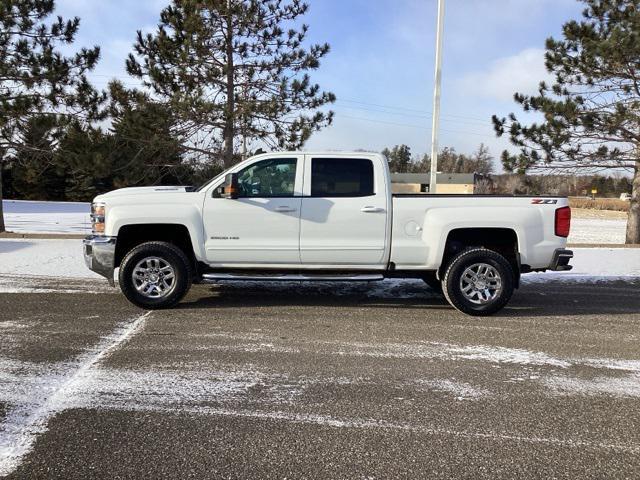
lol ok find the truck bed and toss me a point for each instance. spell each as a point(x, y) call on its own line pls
point(422, 223)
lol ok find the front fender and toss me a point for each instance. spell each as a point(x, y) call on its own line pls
point(189, 216)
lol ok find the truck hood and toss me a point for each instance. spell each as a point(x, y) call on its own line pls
point(131, 191)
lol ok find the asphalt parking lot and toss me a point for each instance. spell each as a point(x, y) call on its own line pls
point(295, 381)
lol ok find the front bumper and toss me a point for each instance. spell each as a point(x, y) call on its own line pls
point(99, 255)
point(560, 261)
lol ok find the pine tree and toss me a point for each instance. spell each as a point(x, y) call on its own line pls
point(35, 176)
point(138, 149)
point(399, 158)
point(450, 161)
point(232, 72)
point(84, 153)
point(35, 77)
point(145, 144)
point(591, 111)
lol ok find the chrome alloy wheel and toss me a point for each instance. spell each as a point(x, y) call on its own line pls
point(154, 277)
point(480, 283)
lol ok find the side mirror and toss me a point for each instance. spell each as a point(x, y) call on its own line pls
point(229, 188)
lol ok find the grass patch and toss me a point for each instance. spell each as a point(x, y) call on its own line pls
point(600, 204)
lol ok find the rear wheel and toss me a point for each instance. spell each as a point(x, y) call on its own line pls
point(155, 275)
point(478, 282)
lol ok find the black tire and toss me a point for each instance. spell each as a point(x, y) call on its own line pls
point(434, 284)
point(452, 288)
point(169, 253)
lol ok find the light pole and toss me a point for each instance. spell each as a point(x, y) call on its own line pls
point(435, 122)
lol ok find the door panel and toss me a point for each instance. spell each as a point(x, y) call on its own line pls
point(253, 230)
point(337, 231)
point(263, 225)
point(344, 213)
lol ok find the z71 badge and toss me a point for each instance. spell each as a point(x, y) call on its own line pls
point(544, 201)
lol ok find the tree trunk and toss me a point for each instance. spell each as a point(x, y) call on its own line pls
point(633, 222)
point(2, 227)
point(229, 127)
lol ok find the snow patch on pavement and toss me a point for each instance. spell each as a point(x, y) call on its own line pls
point(485, 353)
point(460, 390)
point(26, 421)
point(27, 284)
point(506, 355)
point(114, 388)
point(611, 364)
point(22, 383)
point(628, 386)
point(375, 424)
point(11, 325)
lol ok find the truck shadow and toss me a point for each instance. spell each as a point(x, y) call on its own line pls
point(531, 300)
point(236, 294)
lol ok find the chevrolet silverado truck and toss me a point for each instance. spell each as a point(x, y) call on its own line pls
point(322, 216)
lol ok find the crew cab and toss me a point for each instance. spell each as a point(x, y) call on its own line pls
point(322, 216)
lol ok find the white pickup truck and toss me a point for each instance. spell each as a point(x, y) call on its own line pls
point(322, 216)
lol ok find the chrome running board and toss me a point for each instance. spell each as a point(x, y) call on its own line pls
point(215, 277)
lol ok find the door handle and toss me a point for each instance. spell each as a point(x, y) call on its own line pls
point(370, 209)
point(284, 209)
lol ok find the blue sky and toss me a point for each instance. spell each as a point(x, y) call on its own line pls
point(381, 63)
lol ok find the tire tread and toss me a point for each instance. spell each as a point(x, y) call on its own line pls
point(182, 289)
point(459, 258)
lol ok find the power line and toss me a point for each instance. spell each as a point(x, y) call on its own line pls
point(340, 99)
point(421, 127)
point(469, 120)
point(427, 112)
point(416, 115)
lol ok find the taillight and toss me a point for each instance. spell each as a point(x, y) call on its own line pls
point(563, 221)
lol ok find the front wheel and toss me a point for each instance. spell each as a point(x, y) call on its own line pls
point(478, 282)
point(155, 275)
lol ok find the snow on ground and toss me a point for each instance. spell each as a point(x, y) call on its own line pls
point(43, 258)
point(598, 230)
point(25, 262)
point(592, 264)
point(46, 217)
point(22, 425)
point(70, 217)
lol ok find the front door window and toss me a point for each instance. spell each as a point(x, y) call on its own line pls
point(269, 178)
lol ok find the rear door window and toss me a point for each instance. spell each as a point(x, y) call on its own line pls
point(341, 177)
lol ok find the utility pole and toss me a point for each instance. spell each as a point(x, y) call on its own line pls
point(435, 123)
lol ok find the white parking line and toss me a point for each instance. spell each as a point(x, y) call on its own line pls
point(24, 423)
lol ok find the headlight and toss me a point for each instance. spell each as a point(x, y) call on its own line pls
point(97, 218)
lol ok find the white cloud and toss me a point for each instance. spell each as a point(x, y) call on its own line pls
point(522, 73)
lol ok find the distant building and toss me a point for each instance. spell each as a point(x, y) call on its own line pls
point(468, 183)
